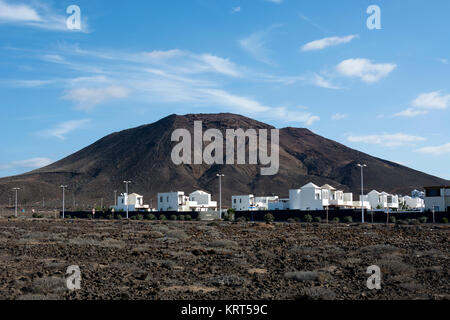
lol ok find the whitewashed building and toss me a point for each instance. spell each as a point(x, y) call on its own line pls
point(280, 204)
point(133, 201)
point(251, 203)
point(412, 203)
point(382, 200)
point(417, 194)
point(178, 201)
point(437, 198)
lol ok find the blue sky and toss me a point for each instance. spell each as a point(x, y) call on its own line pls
point(312, 64)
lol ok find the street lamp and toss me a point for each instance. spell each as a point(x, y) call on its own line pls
point(220, 194)
point(126, 193)
point(115, 198)
point(15, 211)
point(63, 191)
point(362, 166)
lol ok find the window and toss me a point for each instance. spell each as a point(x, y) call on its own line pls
point(234, 200)
point(433, 193)
point(161, 199)
point(167, 198)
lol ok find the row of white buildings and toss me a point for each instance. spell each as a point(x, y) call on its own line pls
point(313, 197)
point(308, 197)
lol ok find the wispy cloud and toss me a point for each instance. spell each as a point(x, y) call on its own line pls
point(88, 98)
point(62, 129)
point(323, 83)
point(327, 42)
point(339, 116)
point(436, 150)
point(386, 140)
point(365, 69)
point(37, 15)
point(256, 45)
point(172, 76)
point(235, 9)
point(32, 163)
point(425, 102)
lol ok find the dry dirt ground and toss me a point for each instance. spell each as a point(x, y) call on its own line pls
point(221, 260)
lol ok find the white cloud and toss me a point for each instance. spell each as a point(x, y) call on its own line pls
point(32, 163)
point(220, 65)
point(30, 83)
point(426, 102)
point(410, 113)
point(62, 129)
point(436, 150)
point(365, 69)
point(88, 98)
point(15, 13)
point(323, 83)
point(275, 1)
point(387, 140)
point(255, 45)
point(37, 15)
point(172, 76)
point(339, 116)
point(432, 100)
point(236, 9)
point(327, 42)
point(444, 61)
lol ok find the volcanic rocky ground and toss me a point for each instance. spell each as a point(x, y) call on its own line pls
point(221, 260)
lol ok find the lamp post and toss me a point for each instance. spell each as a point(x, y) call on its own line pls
point(220, 194)
point(362, 166)
point(15, 210)
point(63, 191)
point(126, 193)
point(115, 198)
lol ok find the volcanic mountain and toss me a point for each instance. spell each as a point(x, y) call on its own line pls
point(143, 155)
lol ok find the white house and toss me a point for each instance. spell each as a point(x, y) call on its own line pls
point(201, 201)
point(178, 201)
point(133, 201)
point(313, 197)
point(251, 203)
point(437, 198)
point(412, 203)
point(382, 200)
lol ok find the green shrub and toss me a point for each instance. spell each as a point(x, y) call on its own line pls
point(402, 222)
point(423, 219)
point(291, 220)
point(268, 218)
point(318, 219)
point(90, 216)
point(173, 217)
point(140, 217)
point(392, 220)
point(151, 216)
point(181, 217)
point(109, 216)
point(162, 217)
point(229, 216)
point(348, 219)
point(67, 216)
point(241, 219)
point(413, 222)
point(308, 218)
point(444, 220)
point(188, 217)
point(297, 219)
point(37, 215)
point(336, 220)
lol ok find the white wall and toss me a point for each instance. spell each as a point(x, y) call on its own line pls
point(242, 203)
point(295, 199)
